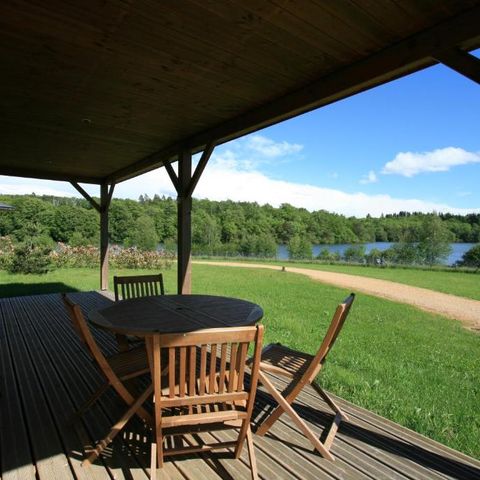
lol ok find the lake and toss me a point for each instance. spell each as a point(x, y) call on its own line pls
point(458, 249)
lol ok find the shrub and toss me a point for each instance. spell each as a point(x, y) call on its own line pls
point(375, 257)
point(403, 254)
point(325, 255)
point(435, 238)
point(471, 258)
point(29, 258)
point(135, 258)
point(354, 254)
point(6, 252)
point(89, 257)
point(299, 248)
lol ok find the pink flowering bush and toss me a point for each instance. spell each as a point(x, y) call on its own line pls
point(7, 249)
point(89, 257)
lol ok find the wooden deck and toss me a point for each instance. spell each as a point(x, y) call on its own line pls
point(46, 374)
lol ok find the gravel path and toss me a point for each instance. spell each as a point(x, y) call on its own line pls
point(463, 309)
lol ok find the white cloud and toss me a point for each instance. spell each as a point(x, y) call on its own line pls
point(220, 183)
point(28, 188)
point(464, 194)
point(231, 175)
point(271, 149)
point(370, 177)
point(409, 164)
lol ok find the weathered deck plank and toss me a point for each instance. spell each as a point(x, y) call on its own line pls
point(46, 374)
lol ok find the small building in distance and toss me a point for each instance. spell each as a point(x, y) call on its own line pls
point(4, 206)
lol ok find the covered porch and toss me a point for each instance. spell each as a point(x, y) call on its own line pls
point(97, 94)
point(46, 374)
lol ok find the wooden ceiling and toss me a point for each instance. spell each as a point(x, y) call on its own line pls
point(100, 90)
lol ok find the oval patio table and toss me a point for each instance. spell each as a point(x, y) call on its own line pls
point(164, 314)
point(147, 316)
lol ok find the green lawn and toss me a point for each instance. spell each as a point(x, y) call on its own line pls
point(463, 284)
point(418, 369)
point(456, 283)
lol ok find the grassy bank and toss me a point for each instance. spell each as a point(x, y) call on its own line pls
point(415, 368)
point(463, 284)
point(456, 283)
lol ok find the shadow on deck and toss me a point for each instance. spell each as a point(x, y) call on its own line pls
point(46, 374)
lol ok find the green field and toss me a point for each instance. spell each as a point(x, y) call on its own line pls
point(418, 369)
point(463, 284)
point(456, 283)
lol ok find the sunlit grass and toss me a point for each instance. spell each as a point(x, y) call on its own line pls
point(463, 284)
point(418, 369)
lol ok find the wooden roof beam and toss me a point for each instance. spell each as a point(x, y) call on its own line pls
point(87, 197)
point(462, 62)
point(405, 57)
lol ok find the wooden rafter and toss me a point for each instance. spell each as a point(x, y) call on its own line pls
point(405, 57)
point(87, 197)
point(462, 62)
point(172, 175)
point(111, 188)
point(200, 168)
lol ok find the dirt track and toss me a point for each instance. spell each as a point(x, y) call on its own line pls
point(463, 309)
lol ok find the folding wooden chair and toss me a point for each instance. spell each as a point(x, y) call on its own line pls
point(301, 369)
point(138, 286)
point(134, 287)
point(203, 390)
point(116, 369)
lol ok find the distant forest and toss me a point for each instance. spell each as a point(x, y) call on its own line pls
point(218, 227)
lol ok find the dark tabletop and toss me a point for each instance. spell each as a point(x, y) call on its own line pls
point(175, 314)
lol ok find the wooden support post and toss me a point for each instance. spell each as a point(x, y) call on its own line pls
point(105, 198)
point(184, 233)
point(185, 184)
point(102, 208)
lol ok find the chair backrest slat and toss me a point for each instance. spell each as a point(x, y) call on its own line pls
point(212, 380)
point(171, 372)
point(223, 368)
point(127, 287)
point(192, 370)
point(182, 378)
point(233, 363)
point(241, 360)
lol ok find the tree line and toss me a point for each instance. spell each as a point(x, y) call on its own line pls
point(218, 227)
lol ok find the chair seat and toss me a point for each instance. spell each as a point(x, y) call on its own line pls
point(292, 361)
point(129, 363)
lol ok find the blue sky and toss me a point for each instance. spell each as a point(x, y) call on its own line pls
point(412, 144)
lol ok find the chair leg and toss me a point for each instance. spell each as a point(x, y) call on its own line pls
point(241, 438)
point(129, 399)
point(285, 406)
point(153, 462)
point(251, 454)
point(269, 421)
point(333, 431)
point(87, 404)
point(102, 444)
point(329, 401)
